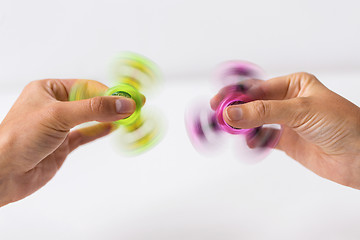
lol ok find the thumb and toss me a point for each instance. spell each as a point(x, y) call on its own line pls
point(291, 112)
point(101, 109)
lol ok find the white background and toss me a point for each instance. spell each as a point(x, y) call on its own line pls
point(172, 192)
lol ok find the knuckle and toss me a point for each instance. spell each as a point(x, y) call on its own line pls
point(299, 82)
point(305, 77)
point(54, 110)
point(261, 109)
point(41, 84)
point(301, 114)
point(303, 102)
point(303, 105)
point(57, 116)
point(51, 83)
point(33, 84)
point(96, 104)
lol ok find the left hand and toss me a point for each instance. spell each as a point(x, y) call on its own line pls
point(36, 137)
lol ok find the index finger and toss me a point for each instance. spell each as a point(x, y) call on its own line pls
point(279, 88)
point(78, 89)
point(243, 87)
point(61, 89)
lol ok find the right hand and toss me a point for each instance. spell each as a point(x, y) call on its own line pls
point(321, 129)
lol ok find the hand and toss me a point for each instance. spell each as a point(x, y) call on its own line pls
point(321, 129)
point(35, 134)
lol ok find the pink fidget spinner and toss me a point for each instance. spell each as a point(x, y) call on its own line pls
point(207, 128)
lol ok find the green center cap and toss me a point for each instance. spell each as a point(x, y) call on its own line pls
point(128, 91)
point(121, 94)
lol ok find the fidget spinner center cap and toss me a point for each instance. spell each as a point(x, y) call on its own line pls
point(228, 101)
point(128, 91)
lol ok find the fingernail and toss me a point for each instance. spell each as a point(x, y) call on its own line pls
point(234, 113)
point(124, 105)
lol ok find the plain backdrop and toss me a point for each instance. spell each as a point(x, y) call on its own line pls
point(172, 192)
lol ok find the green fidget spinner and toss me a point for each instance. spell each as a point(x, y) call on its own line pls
point(132, 73)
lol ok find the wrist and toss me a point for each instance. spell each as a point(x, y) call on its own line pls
point(4, 191)
point(4, 155)
point(4, 187)
point(5, 170)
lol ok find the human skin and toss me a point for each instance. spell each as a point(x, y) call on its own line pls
point(36, 134)
point(321, 130)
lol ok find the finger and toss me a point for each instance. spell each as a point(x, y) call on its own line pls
point(242, 88)
point(60, 89)
point(85, 135)
point(279, 88)
point(265, 137)
point(291, 112)
point(215, 101)
point(290, 141)
point(76, 138)
point(284, 87)
point(143, 99)
point(101, 109)
point(296, 147)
